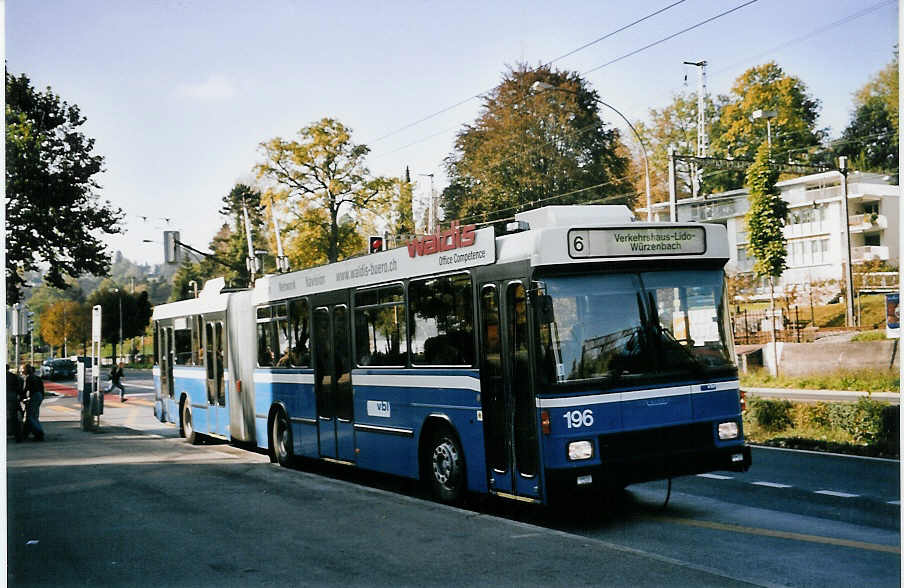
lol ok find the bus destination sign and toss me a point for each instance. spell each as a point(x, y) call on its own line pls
point(636, 242)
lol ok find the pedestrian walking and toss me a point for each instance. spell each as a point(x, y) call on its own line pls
point(14, 392)
point(34, 396)
point(116, 377)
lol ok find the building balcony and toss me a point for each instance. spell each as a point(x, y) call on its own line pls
point(878, 281)
point(869, 253)
point(860, 223)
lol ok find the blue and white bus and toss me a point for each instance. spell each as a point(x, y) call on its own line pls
point(580, 350)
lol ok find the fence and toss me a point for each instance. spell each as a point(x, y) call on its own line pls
point(751, 327)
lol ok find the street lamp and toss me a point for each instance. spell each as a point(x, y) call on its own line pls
point(120, 323)
point(543, 86)
point(768, 115)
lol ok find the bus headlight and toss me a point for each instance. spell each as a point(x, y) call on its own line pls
point(728, 430)
point(580, 450)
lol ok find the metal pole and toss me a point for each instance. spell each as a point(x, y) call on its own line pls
point(673, 187)
point(543, 86)
point(120, 324)
point(643, 152)
point(846, 245)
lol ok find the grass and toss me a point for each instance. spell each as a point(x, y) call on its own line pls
point(870, 336)
point(857, 380)
point(871, 311)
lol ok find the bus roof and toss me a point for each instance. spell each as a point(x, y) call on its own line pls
point(551, 235)
point(210, 299)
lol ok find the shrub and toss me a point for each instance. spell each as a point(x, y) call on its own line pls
point(771, 415)
point(811, 415)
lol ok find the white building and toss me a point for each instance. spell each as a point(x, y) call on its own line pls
point(814, 230)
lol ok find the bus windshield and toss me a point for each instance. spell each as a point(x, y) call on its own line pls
point(609, 326)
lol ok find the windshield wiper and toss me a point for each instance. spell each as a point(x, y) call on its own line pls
point(663, 335)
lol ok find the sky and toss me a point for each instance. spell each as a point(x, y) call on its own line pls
point(180, 94)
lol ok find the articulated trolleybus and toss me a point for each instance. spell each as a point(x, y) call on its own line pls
point(580, 350)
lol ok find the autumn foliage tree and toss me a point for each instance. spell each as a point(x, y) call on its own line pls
point(531, 147)
point(871, 138)
point(321, 179)
point(66, 322)
point(736, 135)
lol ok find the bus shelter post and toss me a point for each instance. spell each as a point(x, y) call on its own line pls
point(91, 395)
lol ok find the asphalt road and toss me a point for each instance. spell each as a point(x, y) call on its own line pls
point(134, 505)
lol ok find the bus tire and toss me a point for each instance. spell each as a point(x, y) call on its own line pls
point(186, 425)
point(446, 466)
point(281, 439)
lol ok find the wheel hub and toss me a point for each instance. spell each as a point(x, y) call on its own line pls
point(445, 463)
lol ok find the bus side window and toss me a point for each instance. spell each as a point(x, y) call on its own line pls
point(442, 320)
point(299, 327)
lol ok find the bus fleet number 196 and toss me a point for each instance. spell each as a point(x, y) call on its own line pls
point(577, 419)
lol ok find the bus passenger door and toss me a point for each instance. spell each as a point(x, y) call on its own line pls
point(166, 373)
point(507, 397)
point(332, 382)
point(217, 415)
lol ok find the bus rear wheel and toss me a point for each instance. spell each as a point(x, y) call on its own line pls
point(447, 467)
point(188, 429)
point(281, 440)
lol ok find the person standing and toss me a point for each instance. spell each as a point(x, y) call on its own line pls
point(34, 396)
point(116, 376)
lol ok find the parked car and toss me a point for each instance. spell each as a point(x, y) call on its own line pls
point(58, 369)
point(46, 368)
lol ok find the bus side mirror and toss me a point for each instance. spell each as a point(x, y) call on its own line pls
point(544, 309)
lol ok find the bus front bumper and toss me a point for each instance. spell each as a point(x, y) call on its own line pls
point(624, 470)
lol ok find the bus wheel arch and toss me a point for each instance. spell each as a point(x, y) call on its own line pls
point(442, 460)
point(280, 446)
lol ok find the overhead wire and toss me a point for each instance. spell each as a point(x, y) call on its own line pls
point(669, 37)
point(806, 36)
point(479, 94)
point(617, 59)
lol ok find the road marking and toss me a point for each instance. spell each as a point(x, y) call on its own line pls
point(780, 534)
point(61, 408)
point(771, 485)
point(838, 494)
point(896, 502)
point(715, 477)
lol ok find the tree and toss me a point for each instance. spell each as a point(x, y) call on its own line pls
point(65, 322)
point(675, 125)
point(765, 220)
point(766, 217)
point(53, 214)
point(402, 222)
point(136, 313)
point(794, 132)
point(528, 148)
point(309, 234)
point(232, 245)
point(323, 170)
point(870, 140)
point(189, 271)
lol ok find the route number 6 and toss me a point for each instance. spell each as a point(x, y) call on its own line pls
point(578, 243)
point(577, 419)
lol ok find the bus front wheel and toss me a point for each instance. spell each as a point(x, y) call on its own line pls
point(447, 467)
point(281, 439)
